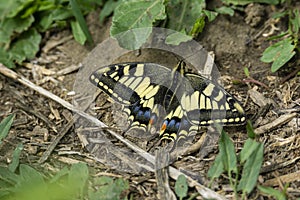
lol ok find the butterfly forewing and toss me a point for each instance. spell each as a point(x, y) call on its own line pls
point(140, 87)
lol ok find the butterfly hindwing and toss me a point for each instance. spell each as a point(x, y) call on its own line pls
point(209, 103)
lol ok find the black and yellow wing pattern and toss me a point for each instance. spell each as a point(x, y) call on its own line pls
point(174, 101)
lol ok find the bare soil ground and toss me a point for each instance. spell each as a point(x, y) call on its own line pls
point(236, 42)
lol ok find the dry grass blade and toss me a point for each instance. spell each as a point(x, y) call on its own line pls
point(161, 174)
point(277, 122)
point(288, 178)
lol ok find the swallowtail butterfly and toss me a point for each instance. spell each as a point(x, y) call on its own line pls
point(174, 101)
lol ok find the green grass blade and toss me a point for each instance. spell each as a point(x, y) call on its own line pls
point(272, 192)
point(16, 158)
point(5, 126)
point(78, 33)
point(79, 17)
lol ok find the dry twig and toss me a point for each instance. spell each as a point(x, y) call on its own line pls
point(174, 173)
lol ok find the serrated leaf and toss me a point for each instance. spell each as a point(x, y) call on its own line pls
point(5, 59)
point(132, 21)
point(181, 187)
point(26, 46)
point(250, 146)
point(217, 168)
point(10, 26)
point(272, 192)
point(229, 157)
point(5, 126)
point(279, 53)
point(184, 14)
point(13, 8)
point(53, 18)
point(251, 170)
point(16, 158)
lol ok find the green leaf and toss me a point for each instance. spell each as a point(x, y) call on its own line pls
point(272, 192)
point(16, 158)
point(225, 10)
point(134, 14)
point(13, 8)
point(295, 22)
point(250, 130)
point(108, 9)
point(198, 26)
point(181, 187)
point(103, 180)
point(108, 189)
point(246, 71)
point(31, 184)
point(250, 146)
point(61, 173)
point(30, 175)
point(211, 15)
point(217, 168)
point(77, 32)
point(78, 177)
point(251, 170)
point(277, 15)
point(5, 126)
point(26, 46)
point(8, 176)
point(229, 157)
point(184, 14)
point(6, 60)
point(133, 39)
point(177, 37)
point(11, 26)
point(53, 18)
point(279, 53)
point(245, 2)
point(81, 21)
point(120, 185)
